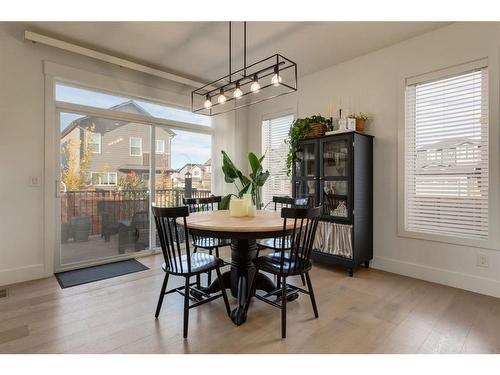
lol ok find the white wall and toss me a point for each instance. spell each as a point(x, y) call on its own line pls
point(374, 84)
point(22, 146)
point(230, 136)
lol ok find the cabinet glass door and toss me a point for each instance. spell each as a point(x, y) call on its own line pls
point(307, 188)
point(335, 157)
point(335, 199)
point(308, 156)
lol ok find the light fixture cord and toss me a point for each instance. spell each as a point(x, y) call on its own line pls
point(245, 48)
point(230, 52)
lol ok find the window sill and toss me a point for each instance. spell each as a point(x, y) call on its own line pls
point(476, 243)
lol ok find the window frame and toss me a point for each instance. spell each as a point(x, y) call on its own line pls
point(439, 73)
point(124, 94)
point(100, 175)
point(162, 141)
point(93, 143)
point(270, 117)
point(130, 146)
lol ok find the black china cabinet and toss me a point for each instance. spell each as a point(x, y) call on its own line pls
point(336, 172)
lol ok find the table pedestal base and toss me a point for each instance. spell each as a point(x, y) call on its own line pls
point(240, 277)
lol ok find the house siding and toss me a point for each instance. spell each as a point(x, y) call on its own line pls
point(115, 148)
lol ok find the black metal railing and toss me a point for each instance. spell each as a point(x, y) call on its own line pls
point(120, 204)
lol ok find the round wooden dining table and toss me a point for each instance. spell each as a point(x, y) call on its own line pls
point(243, 233)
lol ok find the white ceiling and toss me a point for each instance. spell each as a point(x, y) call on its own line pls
point(199, 50)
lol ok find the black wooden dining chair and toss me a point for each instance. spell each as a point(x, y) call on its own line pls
point(275, 243)
point(201, 242)
point(279, 203)
point(185, 263)
point(290, 262)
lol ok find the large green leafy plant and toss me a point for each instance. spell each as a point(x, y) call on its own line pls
point(251, 184)
point(299, 130)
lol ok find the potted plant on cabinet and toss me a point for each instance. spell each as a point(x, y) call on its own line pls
point(302, 128)
point(361, 119)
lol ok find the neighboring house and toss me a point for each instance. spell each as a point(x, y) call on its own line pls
point(119, 147)
point(201, 175)
point(206, 181)
point(448, 154)
point(455, 161)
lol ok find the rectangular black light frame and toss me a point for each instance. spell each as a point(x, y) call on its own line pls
point(263, 68)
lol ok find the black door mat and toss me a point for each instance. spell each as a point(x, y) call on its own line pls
point(81, 276)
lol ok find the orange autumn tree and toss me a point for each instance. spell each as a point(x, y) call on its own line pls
point(132, 186)
point(163, 181)
point(75, 173)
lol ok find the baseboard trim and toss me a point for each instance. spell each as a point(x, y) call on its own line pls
point(464, 281)
point(20, 274)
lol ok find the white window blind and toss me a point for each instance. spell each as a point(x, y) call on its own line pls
point(274, 133)
point(446, 164)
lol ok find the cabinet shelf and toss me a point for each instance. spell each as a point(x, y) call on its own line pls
point(339, 196)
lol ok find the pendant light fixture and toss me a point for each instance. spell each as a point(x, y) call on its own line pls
point(276, 80)
point(255, 86)
point(237, 93)
point(263, 80)
point(208, 103)
point(222, 98)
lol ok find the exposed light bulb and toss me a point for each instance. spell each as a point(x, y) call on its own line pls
point(208, 103)
point(255, 86)
point(276, 80)
point(237, 93)
point(221, 99)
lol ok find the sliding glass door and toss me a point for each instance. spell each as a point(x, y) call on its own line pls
point(115, 156)
point(104, 196)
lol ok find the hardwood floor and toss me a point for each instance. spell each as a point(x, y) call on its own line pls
point(374, 312)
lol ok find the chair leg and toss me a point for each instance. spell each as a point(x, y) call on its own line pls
point(198, 281)
point(162, 294)
point(223, 291)
point(186, 307)
point(303, 279)
point(283, 308)
point(311, 294)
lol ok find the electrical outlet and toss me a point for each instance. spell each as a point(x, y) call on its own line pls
point(482, 260)
point(34, 181)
